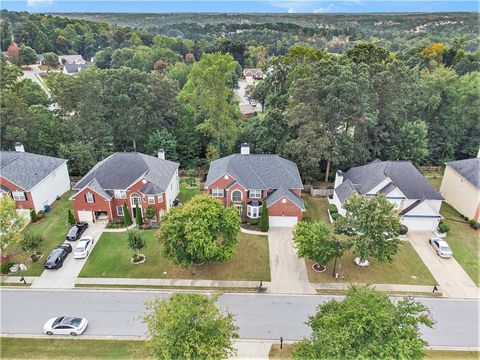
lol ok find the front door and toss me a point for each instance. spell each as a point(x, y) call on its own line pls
point(134, 201)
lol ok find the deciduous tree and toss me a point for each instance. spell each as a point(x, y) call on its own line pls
point(189, 326)
point(11, 223)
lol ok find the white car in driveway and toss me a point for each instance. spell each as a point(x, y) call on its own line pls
point(441, 247)
point(83, 248)
point(65, 326)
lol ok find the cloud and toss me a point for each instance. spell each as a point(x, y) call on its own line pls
point(39, 3)
point(294, 6)
point(324, 9)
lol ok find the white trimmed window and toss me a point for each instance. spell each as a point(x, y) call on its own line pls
point(218, 193)
point(239, 209)
point(18, 196)
point(120, 210)
point(255, 194)
point(151, 199)
point(236, 195)
point(89, 197)
point(120, 194)
point(253, 212)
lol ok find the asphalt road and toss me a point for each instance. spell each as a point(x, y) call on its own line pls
point(259, 316)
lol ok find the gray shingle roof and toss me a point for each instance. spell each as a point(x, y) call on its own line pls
point(95, 186)
point(26, 169)
point(469, 169)
point(257, 171)
point(387, 189)
point(151, 189)
point(402, 173)
point(74, 68)
point(282, 192)
point(71, 59)
point(345, 190)
point(120, 170)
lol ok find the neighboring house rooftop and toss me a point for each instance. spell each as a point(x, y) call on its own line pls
point(247, 109)
point(469, 169)
point(257, 171)
point(74, 68)
point(253, 72)
point(71, 59)
point(26, 169)
point(121, 169)
point(403, 175)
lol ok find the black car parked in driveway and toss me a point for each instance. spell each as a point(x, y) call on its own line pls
point(76, 231)
point(57, 256)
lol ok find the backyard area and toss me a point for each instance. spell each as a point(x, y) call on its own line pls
point(111, 258)
point(407, 267)
point(187, 192)
point(464, 242)
point(53, 226)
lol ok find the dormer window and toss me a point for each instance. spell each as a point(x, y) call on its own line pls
point(120, 194)
point(255, 194)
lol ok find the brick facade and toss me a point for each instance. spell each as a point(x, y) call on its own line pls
point(28, 203)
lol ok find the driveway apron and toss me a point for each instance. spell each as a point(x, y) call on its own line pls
point(65, 277)
point(288, 271)
point(453, 280)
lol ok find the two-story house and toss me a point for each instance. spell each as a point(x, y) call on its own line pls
point(33, 181)
point(417, 202)
point(138, 180)
point(247, 180)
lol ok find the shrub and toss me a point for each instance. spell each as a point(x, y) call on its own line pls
point(31, 241)
point(40, 214)
point(71, 218)
point(138, 216)
point(333, 209)
point(5, 268)
point(264, 224)
point(191, 173)
point(443, 228)
point(476, 226)
point(127, 220)
point(33, 216)
point(472, 222)
point(115, 224)
point(335, 216)
point(150, 213)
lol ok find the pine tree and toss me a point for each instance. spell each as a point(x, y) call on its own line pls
point(264, 225)
point(71, 218)
point(138, 216)
point(127, 220)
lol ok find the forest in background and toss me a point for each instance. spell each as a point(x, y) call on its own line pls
point(148, 90)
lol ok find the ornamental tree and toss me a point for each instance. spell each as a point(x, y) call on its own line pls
point(31, 242)
point(316, 241)
point(372, 226)
point(138, 216)
point(202, 230)
point(365, 325)
point(136, 241)
point(71, 218)
point(189, 326)
point(264, 224)
point(127, 220)
point(11, 223)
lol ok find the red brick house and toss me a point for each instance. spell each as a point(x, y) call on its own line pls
point(247, 180)
point(130, 178)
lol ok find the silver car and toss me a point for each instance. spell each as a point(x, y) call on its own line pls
point(83, 248)
point(441, 247)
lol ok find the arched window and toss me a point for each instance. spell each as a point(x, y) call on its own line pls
point(236, 195)
point(135, 200)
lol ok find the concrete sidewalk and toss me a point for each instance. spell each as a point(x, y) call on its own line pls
point(380, 287)
point(170, 282)
point(252, 349)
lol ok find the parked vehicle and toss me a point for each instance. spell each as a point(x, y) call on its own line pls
point(83, 248)
point(65, 326)
point(76, 231)
point(441, 247)
point(57, 256)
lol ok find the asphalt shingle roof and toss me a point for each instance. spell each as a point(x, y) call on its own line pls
point(469, 169)
point(345, 190)
point(26, 169)
point(282, 192)
point(402, 174)
point(120, 170)
point(257, 171)
point(74, 68)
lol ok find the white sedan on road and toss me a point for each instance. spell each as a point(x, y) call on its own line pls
point(83, 248)
point(65, 326)
point(441, 247)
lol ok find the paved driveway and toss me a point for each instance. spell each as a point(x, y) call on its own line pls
point(288, 271)
point(451, 277)
point(65, 277)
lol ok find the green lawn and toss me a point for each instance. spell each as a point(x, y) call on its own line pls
point(406, 264)
point(406, 268)
point(22, 348)
point(54, 228)
point(187, 193)
point(286, 353)
point(464, 241)
point(111, 258)
point(316, 209)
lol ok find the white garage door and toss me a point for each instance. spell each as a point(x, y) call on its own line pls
point(282, 221)
point(420, 224)
point(85, 216)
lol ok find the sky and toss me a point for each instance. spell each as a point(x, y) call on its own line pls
point(236, 6)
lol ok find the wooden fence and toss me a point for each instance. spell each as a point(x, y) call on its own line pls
point(321, 192)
